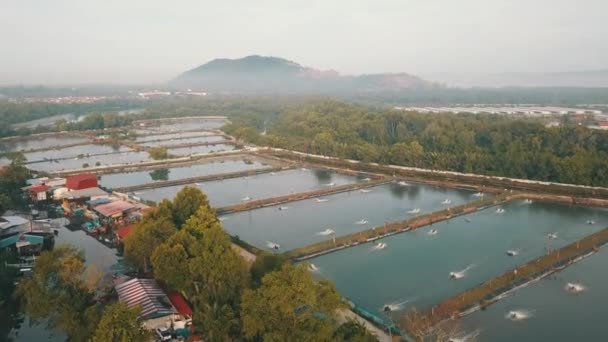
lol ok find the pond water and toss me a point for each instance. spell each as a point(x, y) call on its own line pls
point(107, 159)
point(184, 141)
point(299, 223)
point(232, 191)
point(74, 151)
point(189, 125)
point(48, 121)
point(416, 265)
point(169, 136)
point(98, 257)
point(116, 180)
point(38, 143)
point(185, 151)
point(555, 313)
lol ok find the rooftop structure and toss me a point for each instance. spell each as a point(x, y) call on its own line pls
point(112, 209)
point(147, 294)
point(81, 181)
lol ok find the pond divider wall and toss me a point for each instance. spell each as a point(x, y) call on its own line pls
point(479, 182)
point(491, 290)
point(267, 202)
point(205, 178)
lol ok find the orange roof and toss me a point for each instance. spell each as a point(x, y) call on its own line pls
point(124, 231)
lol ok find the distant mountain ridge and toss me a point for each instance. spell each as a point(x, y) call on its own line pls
point(272, 74)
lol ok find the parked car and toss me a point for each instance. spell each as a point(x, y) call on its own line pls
point(164, 334)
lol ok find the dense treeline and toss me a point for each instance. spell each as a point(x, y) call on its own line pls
point(483, 144)
point(183, 244)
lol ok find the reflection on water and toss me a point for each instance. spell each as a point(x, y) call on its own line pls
point(160, 175)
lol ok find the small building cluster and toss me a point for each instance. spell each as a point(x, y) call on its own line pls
point(85, 204)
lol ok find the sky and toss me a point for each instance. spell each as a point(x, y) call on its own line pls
point(151, 41)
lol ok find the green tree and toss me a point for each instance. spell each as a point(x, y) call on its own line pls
point(160, 175)
point(352, 331)
point(187, 201)
point(199, 260)
point(120, 324)
point(159, 153)
point(290, 306)
point(155, 228)
point(58, 292)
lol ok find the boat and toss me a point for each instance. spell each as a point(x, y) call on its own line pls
point(198, 184)
point(518, 315)
point(312, 267)
point(446, 201)
point(361, 222)
point(512, 252)
point(273, 173)
point(273, 245)
point(402, 183)
point(282, 208)
point(528, 201)
point(478, 194)
point(367, 179)
point(575, 287)
point(326, 232)
point(321, 200)
point(364, 191)
point(500, 211)
point(304, 169)
point(246, 198)
point(552, 235)
point(414, 211)
point(460, 274)
point(330, 184)
point(222, 218)
point(432, 232)
point(590, 222)
point(468, 220)
point(379, 246)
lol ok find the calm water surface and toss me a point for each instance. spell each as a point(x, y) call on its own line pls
point(300, 223)
point(37, 143)
point(185, 151)
point(74, 151)
point(77, 163)
point(232, 191)
point(169, 136)
point(142, 177)
point(184, 141)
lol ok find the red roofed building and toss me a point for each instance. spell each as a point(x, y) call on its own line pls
point(179, 303)
point(81, 181)
point(38, 192)
point(122, 233)
point(603, 123)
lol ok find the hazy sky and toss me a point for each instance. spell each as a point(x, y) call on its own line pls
point(130, 41)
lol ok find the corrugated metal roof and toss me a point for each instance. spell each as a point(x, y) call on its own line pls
point(146, 294)
point(113, 208)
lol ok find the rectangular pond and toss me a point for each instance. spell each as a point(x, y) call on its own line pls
point(169, 136)
point(234, 190)
point(38, 143)
point(191, 124)
point(203, 149)
point(103, 160)
point(550, 310)
point(74, 151)
point(301, 223)
point(123, 179)
point(185, 141)
point(416, 265)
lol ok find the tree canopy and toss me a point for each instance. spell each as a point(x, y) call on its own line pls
point(120, 324)
point(290, 306)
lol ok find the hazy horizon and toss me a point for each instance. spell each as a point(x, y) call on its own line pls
point(142, 42)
